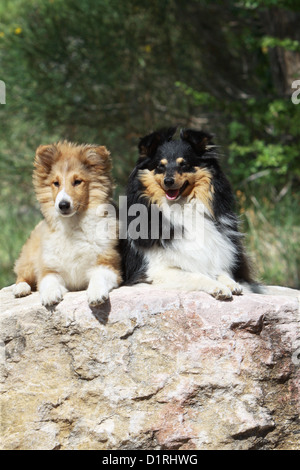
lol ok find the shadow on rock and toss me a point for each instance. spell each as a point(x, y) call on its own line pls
point(101, 312)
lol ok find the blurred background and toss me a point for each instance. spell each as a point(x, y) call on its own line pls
point(110, 71)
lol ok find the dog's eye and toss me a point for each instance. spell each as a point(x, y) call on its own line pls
point(77, 182)
point(182, 163)
point(56, 184)
point(161, 166)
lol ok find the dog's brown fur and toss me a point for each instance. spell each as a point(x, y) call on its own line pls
point(83, 172)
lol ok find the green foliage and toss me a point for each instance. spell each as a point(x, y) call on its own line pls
point(288, 44)
point(16, 224)
point(200, 98)
point(253, 4)
point(273, 231)
point(267, 139)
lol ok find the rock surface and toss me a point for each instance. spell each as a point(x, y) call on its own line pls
point(150, 370)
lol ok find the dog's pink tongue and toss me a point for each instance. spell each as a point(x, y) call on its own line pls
point(172, 194)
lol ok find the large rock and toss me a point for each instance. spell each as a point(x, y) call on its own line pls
point(150, 370)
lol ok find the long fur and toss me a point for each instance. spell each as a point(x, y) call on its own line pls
point(214, 260)
point(75, 246)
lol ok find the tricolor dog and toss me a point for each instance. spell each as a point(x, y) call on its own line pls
point(190, 238)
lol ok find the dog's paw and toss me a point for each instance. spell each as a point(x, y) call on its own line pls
point(50, 297)
point(236, 288)
point(97, 297)
point(221, 292)
point(22, 289)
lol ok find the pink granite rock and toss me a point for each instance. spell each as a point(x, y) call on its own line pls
point(150, 370)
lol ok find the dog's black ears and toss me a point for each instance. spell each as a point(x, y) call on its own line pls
point(199, 140)
point(150, 143)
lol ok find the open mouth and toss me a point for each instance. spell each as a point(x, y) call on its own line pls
point(173, 194)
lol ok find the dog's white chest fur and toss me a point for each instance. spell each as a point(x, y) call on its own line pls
point(72, 249)
point(200, 247)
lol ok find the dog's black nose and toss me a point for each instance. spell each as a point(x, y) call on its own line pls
point(64, 206)
point(169, 181)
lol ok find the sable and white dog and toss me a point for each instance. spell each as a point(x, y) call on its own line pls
point(75, 246)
